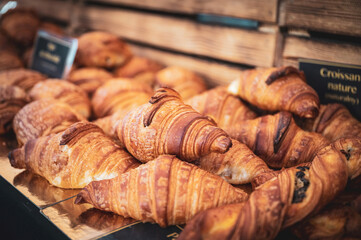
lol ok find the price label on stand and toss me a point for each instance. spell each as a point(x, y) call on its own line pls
point(335, 83)
point(53, 55)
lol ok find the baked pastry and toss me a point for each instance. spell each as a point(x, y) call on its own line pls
point(63, 91)
point(89, 79)
point(43, 117)
point(335, 221)
point(185, 82)
point(119, 94)
point(12, 99)
point(334, 121)
point(140, 69)
point(239, 165)
point(73, 158)
point(223, 107)
point(166, 125)
point(277, 139)
point(51, 28)
point(23, 78)
point(102, 49)
point(281, 202)
point(6, 44)
point(21, 25)
point(277, 89)
point(166, 191)
point(9, 60)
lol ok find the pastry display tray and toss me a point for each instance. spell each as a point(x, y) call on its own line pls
point(54, 209)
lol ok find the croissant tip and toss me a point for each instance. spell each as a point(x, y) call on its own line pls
point(11, 158)
point(79, 199)
point(221, 144)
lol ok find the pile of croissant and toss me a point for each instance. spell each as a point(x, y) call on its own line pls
point(152, 143)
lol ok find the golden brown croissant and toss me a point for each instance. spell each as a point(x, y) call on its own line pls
point(185, 82)
point(102, 49)
point(224, 108)
point(89, 79)
point(239, 165)
point(140, 69)
point(277, 139)
point(23, 78)
point(119, 94)
point(334, 121)
point(63, 91)
point(277, 89)
point(75, 157)
point(284, 200)
point(9, 60)
point(335, 221)
point(43, 117)
point(12, 99)
point(21, 25)
point(166, 125)
point(166, 191)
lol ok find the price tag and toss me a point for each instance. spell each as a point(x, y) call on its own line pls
point(335, 83)
point(53, 55)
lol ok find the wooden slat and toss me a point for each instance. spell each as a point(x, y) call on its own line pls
point(55, 9)
point(262, 10)
point(230, 44)
point(295, 48)
point(334, 16)
point(215, 73)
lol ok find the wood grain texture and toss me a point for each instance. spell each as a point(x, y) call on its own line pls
point(340, 17)
point(55, 9)
point(215, 73)
point(235, 45)
point(262, 10)
point(295, 48)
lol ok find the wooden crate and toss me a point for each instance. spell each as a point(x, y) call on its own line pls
point(325, 50)
point(337, 16)
point(250, 47)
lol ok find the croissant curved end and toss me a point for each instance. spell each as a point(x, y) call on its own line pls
point(17, 158)
point(233, 87)
point(306, 108)
point(221, 144)
point(82, 197)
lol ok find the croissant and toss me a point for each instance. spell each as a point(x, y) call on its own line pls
point(140, 69)
point(43, 117)
point(101, 49)
point(21, 25)
point(119, 94)
point(166, 191)
point(284, 200)
point(277, 139)
point(277, 89)
point(239, 165)
point(224, 108)
point(185, 82)
point(63, 91)
point(334, 121)
point(9, 60)
point(73, 158)
point(166, 125)
point(335, 221)
point(12, 99)
point(51, 27)
point(23, 78)
point(89, 79)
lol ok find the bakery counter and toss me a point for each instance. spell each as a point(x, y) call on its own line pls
point(52, 209)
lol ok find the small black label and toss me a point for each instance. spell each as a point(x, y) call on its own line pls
point(53, 55)
point(335, 83)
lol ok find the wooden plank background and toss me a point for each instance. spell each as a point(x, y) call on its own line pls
point(334, 16)
point(215, 73)
point(262, 10)
point(250, 47)
point(295, 47)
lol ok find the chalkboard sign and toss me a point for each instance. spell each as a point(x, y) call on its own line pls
point(335, 83)
point(53, 55)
